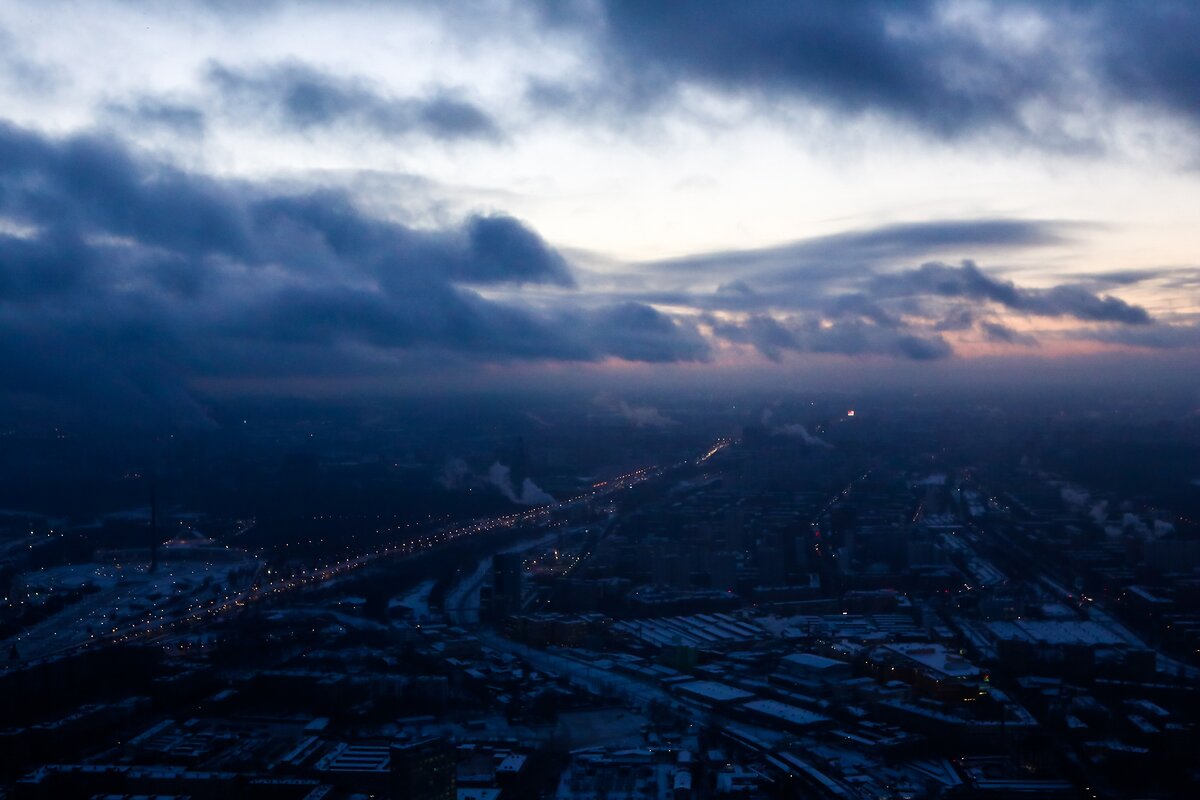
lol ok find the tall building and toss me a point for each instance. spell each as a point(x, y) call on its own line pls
point(723, 570)
point(508, 584)
point(423, 769)
point(771, 566)
point(154, 537)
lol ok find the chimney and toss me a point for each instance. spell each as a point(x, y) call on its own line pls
point(154, 539)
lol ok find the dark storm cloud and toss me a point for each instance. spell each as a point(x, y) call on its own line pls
point(122, 281)
point(945, 73)
point(1163, 279)
point(24, 74)
point(772, 337)
point(846, 294)
point(903, 314)
point(58, 263)
point(969, 282)
point(853, 57)
point(830, 255)
point(637, 332)
point(485, 250)
point(1154, 337)
point(944, 68)
point(959, 318)
point(299, 97)
point(860, 274)
point(1148, 51)
point(861, 306)
point(153, 112)
point(1121, 277)
point(1051, 73)
point(897, 59)
point(1002, 334)
point(91, 185)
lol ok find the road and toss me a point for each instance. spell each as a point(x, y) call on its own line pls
point(216, 608)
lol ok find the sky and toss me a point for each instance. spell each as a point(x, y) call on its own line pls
point(203, 199)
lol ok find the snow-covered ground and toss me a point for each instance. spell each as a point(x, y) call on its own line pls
point(416, 600)
point(462, 601)
point(119, 597)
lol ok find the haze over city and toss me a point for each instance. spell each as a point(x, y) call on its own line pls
point(620, 399)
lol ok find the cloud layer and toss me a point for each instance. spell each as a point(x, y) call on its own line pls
point(123, 280)
point(299, 97)
point(945, 68)
point(852, 293)
point(147, 247)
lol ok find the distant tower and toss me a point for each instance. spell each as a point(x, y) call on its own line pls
point(519, 466)
point(508, 584)
point(154, 539)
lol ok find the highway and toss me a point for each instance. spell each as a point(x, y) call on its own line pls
point(216, 608)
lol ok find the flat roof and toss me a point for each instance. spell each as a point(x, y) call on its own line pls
point(717, 692)
point(784, 712)
point(481, 793)
point(937, 658)
point(814, 662)
point(1056, 632)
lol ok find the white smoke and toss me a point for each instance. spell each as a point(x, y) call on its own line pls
point(455, 474)
point(1136, 525)
point(531, 494)
point(1133, 522)
point(645, 416)
point(795, 430)
point(534, 495)
point(639, 416)
point(798, 431)
point(1075, 497)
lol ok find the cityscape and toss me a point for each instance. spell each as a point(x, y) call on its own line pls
point(890, 600)
point(600, 400)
